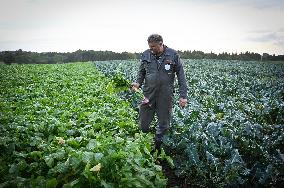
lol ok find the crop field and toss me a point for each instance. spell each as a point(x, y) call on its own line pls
point(64, 126)
point(75, 125)
point(231, 132)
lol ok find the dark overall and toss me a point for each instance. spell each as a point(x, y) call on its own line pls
point(158, 75)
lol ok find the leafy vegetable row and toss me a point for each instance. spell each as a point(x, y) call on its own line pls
point(64, 126)
point(231, 133)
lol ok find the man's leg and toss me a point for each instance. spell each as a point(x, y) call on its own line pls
point(146, 115)
point(164, 112)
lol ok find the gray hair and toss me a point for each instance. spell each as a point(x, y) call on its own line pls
point(155, 38)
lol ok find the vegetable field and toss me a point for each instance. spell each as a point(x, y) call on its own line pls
point(64, 126)
point(75, 125)
point(231, 132)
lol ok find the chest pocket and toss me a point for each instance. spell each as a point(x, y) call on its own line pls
point(150, 67)
point(169, 66)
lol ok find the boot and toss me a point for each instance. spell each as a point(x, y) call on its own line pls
point(158, 144)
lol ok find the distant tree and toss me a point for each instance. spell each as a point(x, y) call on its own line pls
point(20, 56)
point(211, 55)
point(8, 57)
point(264, 56)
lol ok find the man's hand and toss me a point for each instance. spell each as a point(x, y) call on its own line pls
point(182, 102)
point(135, 86)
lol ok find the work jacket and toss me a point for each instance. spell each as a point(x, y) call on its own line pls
point(158, 74)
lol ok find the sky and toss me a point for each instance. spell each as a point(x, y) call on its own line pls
point(231, 26)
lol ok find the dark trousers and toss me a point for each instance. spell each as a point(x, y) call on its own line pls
point(162, 107)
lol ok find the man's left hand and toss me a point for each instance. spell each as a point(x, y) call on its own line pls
point(182, 102)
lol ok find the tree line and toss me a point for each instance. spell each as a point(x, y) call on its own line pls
point(24, 57)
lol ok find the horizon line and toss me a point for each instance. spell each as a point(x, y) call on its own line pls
point(241, 52)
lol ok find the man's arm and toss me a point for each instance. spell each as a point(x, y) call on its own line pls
point(141, 74)
point(140, 77)
point(181, 78)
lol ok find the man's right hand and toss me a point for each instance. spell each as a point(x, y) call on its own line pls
point(135, 86)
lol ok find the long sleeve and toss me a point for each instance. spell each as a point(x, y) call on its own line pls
point(181, 78)
point(141, 74)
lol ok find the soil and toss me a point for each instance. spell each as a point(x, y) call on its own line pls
point(173, 180)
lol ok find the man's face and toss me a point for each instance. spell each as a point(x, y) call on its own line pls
point(156, 47)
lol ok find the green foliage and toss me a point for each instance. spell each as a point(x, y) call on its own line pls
point(122, 72)
point(119, 81)
point(64, 126)
point(23, 57)
point(231, 132)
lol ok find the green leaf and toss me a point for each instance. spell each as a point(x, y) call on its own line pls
point(49, 161)
point(51, 183)
point(92, 144)
point(98, 156)
point(107, 185)
point(88, 157)
point(13, 169)
point(35, 154)
point(75, 182)
point(170, 161)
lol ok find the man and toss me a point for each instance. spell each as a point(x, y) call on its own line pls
point(157, 70)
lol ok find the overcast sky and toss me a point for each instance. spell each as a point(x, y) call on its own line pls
point(124, 25)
